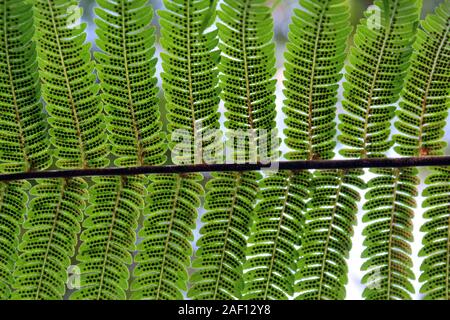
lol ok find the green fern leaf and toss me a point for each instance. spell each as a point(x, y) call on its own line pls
point(374, 78)
point(109, 237)
point(53, 221)
point(222, 245)
point(314, 60)
point(424, 106)
point(165, 251)
point(22, 127)
point(127, 78)
point(272, 254)
point(190, 81)
point(75, 114)
point(326, 238)
point(390, 208)
point(436, 242)
point(248, 89)
point(13, 205)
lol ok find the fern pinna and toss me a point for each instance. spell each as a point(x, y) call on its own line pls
point(191, 91)
point(246, 70)
point(314, 60)
point(22, 128)
point(422, 118)
point(190, 80)
point(126, 68)
point(165, 250)
point(378, 65)
point(77, 134)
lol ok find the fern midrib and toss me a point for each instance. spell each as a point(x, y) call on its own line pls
point(275, 244)
point(375, 78)
point(137, 135)
point(69, 88)
point(251, 122)
point(447, 273)
point(13, 92)
point(391, 231)
point(225, 242)
point(197, 143)
point(108, 243)
point(427, 90)
point(327, 242)
point(311, 87)
point(52, 234)
point(169, 235)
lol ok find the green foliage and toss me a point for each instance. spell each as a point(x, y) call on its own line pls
point(424, 106)
point(436, 242)
point(127, 78)
point(263, 236)
point(326, 239)
point(272, 254)
point(374, 77)
point(390, 208)
point(75, 114)
point(190, 81)
point(314, 60)
point(247, 68)
point(22, 126)
point(13, 205)
point(53, 221)
point(222, 246)
point(109, 237)
point(165, 251)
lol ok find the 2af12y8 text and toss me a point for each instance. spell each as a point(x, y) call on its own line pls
point(224, 310)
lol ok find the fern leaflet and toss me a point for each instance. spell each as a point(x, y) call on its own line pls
point(164, 253)
point(190, 81)
point(13, 205)
point(436, 242)
point(222, 246)
point(54, 216)
point(272, 253)
point(22, 126)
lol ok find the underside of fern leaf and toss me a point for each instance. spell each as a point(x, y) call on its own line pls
point(190, 81)
point(272, 253)
point(53, 221)
point(69, 89)
point(13, 205)
point(436, 242)
point(22, 126)
point(222, 246)
point(314, 60)
point(165, 250)
point(126, 70)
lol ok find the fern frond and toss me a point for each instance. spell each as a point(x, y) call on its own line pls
point(165, 251)
point(326, 239)
point(53, 221)
point(13, 205)
point(127, 78)
point(425, 101)
point(75, 114)
point(374, 78)
point(390, 208)
point(247, 69)
point(222, 245)
point(272, 253)
point(24, 144)
point(109, 237)
point(436, 242)
point(190, 81)
point(314, 61)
